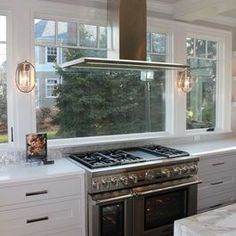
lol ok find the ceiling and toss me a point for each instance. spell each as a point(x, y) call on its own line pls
point(221, 12)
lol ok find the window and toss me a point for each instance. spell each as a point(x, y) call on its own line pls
point(202, 56)
point(157, 46)
point(3, 80)
point(51, 85)
point(93, 102)
point(58, 42)
point(51, 54)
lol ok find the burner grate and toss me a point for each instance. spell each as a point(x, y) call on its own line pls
point(165, 151)
point(105, 158)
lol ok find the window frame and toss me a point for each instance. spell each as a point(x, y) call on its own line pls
point(217, 76)
point(223, 108)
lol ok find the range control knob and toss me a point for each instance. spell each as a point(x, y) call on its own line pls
point(193, 169)
point(115, 181)
point(149, 175)
point(133, 178)
point(165, 173)
point(184, 169)
point(105, 182)
point(176, 171)
point(124, 180)
point(96, 185)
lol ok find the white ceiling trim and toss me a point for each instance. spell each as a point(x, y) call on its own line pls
point(222, 20)
point(159, 7)
point(191, 10)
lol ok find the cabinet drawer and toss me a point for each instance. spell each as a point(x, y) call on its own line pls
point(215, 200)
point(42, 218)
point(39, 191)
point(212, 165)
point(216, 183)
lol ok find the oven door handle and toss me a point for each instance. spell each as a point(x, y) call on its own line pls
point(166, 188)
point(114, 198)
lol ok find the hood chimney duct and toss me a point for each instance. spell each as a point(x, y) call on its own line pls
point(127, 23)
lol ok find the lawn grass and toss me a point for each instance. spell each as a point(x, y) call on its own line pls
point(50, 135)
point(3, 138)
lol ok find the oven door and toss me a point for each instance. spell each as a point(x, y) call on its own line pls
point(158, 206)
point(110, 214)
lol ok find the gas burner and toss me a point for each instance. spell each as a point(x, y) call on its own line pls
point(165, 151)
point(93, 160)
point(123, 157)
point(105, 158)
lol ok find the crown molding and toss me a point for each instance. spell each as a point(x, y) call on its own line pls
point(159, 7)
point(222, 20)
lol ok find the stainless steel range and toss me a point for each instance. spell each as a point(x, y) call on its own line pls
point(138, 191)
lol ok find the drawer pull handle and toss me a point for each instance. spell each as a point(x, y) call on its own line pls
point(36, 193)
point(218, 164)
point(216, 183)
point(37, 220)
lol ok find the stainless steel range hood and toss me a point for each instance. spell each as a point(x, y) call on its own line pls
point(120, 64)
point(127, 22)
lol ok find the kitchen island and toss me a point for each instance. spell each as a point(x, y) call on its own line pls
point(218, 222)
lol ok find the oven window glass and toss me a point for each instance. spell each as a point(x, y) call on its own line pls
point(112, 220)
point(165, 208)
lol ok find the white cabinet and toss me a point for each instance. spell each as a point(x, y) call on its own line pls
point(218, 187)
point(51, 203)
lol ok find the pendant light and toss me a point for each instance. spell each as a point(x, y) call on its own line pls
point(25, 77)
point(185, 80)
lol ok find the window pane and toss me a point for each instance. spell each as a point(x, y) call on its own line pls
point(69, 54)
point(67, 33)
point(200, 48)
point(190, 46)
point(211, 49)
point(101, 102)
point(51, 86)
point(201, 101)
point(3, 28)
point(3, 95)
point(158, 43)
point(44, 31)
point(155, 57)
point(51, 54)
point(102, 37)
point(88, 35)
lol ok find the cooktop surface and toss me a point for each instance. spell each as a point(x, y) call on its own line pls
point(109, 158)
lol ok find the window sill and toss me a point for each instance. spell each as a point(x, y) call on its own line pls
point(126, 140)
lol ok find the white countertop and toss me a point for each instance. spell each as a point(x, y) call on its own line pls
point(219, 222)
point(209, 147)
point(25, 172)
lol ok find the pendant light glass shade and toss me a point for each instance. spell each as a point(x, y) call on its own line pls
point(185, 80)
point(25, 77)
